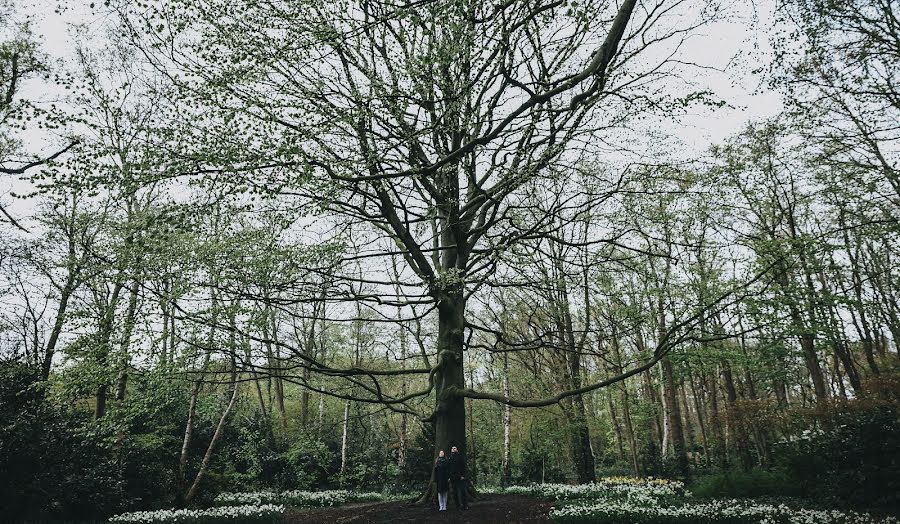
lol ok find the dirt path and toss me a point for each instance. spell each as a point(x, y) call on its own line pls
point(488, 509)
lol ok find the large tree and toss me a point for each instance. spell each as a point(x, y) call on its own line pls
point(443, 133)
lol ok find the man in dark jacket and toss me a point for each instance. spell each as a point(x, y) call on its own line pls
point(457, 467)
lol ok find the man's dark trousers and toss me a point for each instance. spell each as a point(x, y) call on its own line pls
point(459, 493)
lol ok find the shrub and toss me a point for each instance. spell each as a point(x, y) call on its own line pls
point(753, 483)
point(48, 466)
point(852, 460)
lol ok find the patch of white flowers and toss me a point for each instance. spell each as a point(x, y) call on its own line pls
point(617, 500)
point(257, 514)
point(647, 491)
point(715, 512)
point(297, 498)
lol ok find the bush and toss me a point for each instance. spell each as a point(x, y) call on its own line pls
point(49, 466)
point(853, 460)
point(259, 462)
point(753, 483)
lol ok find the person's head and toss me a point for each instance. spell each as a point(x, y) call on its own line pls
point(454, 449)
point(441, 453)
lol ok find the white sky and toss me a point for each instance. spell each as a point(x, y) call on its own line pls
point(730, 48)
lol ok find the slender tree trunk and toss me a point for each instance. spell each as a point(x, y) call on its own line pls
point(735, 419)
point(701, 422)
point(404, 418)
point(189, 425)
point(321, 418)
point(673, 417)
point(344, 435)
point(686, 417)
point(204, 464)
point(125, 360)
point(50, 348)
point(164, 336)
point(629, 431)
point(505, 466)
point(274, 364)
point(715, 419)
point(104, 337)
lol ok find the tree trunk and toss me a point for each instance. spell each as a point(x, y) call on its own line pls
point(735, 419)
point(617, 428)
point(125, 360)
point(449, 416)
point(58, 323)
point(345, 431)
point(505, 467)
point(686, 417)
point(204, 464)
point(720, 445)
point(701, 422)
point(673, 417)
point(629, 431)
point(450, 411)
point(104, 337)
point(404, 417)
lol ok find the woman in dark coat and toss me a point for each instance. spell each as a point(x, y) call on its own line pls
point(442, 479)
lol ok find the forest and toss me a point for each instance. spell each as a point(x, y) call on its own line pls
point(262, 260)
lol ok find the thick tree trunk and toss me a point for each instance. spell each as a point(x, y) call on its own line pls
point(450, 411)
point(449, 416)
point(583, 454)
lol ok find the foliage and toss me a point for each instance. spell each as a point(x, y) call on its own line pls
point(757, 482)
point(259, 460)
point(853, 459)
point(49, 465)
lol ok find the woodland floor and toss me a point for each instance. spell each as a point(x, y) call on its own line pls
point(487, 509)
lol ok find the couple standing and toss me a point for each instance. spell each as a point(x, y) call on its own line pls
point(447, 471)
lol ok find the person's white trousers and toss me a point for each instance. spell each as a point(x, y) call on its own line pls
point(442, 500)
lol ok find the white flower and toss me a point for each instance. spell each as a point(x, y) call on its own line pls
point(249, 513)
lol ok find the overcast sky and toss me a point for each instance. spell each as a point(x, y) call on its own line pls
point(729, 48)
